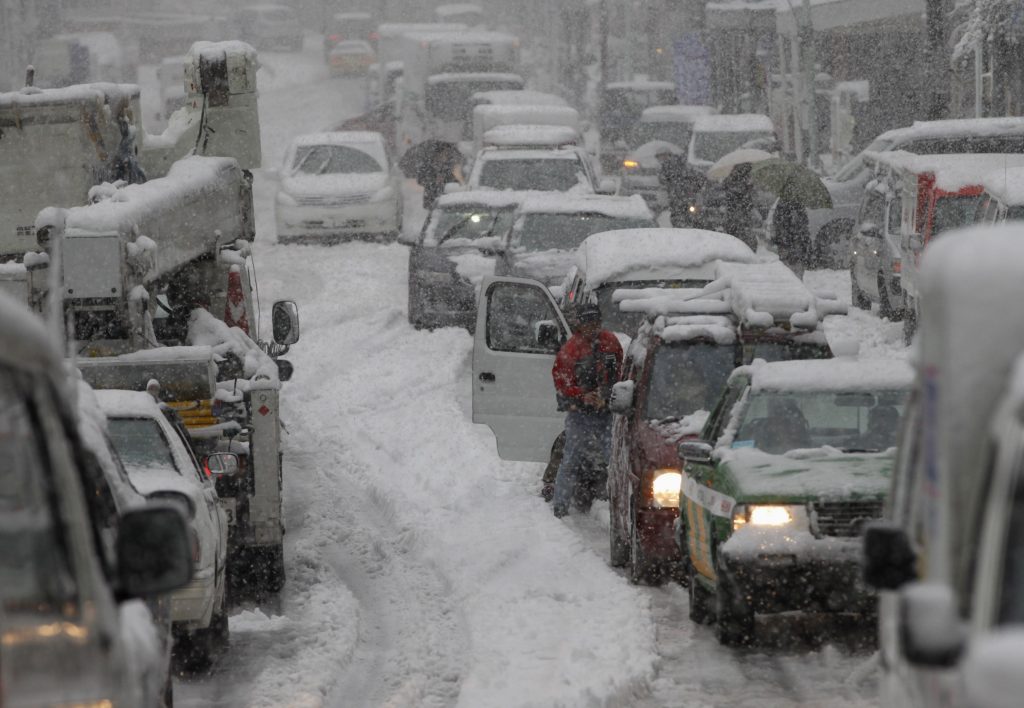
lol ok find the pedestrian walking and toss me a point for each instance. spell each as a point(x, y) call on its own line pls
point(792, 235)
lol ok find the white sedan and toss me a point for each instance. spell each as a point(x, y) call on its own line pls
point(161, 465)
point(338, 184)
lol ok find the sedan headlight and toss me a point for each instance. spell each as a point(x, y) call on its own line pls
point(665, 488)
point(764, 515)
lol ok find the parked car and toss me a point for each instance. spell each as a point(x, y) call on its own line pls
point(716, 136)
point(645, 258)
point(946, 559)
point(561, 170)
point(335, 184)
point(548, 228)
point(351, 57)
point(346, 27)
point(73, 630)
point(267, 27)
point(457, 247)
point(831, 229)
point(792, 463)
point(673, 374)
point(161, 465)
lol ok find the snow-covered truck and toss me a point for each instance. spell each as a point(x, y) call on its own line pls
point(442, 72)
point(56, 144)
point(947, 556)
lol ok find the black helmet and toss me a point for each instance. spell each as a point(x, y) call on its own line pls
point(588, 312)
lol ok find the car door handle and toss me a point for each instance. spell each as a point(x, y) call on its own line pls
point(487, 377)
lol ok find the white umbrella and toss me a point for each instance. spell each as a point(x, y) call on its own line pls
point(721, 169)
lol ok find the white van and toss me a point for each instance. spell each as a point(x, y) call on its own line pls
point(948, 557)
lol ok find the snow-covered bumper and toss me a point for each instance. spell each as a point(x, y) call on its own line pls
point(817, 574)
point(301, 220)
point(192, 605)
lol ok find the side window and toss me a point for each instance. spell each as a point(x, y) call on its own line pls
point(872, 210)
point(514, 314)
point(719, 418)
point(895, 216)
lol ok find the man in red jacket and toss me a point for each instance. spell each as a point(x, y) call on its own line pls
point(585, 369)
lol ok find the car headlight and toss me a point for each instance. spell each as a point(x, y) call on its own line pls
point(764, 515)
point(383, 194)
point(285, 199)
point(665, 488)
point(630, 164)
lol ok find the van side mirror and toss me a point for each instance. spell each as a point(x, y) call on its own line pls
point(221, 463)
point(285, 320)
point(889, 561)
point(154, 555)
point(622, 397)
point(931, 632)
point(548, 335)
point(284, 369)
point(695, 451)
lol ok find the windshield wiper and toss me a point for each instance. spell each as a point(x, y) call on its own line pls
point(453, 228)
point(859, 449)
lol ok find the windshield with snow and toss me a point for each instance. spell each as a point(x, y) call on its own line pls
point(552, 175)
point(687, 377)
point(710, 146)
point(459, 224)
point(565, 232)
point(141, 444)
point(951, 212)
point(857, 421)
point(334, 159)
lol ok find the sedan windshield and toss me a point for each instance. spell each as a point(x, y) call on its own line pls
point(856, 421)
point(687, 378)
point(465, 223)
point(541, 232)
point(549, 175)
point(712, 146)
point(141, 444)
point(334, 159)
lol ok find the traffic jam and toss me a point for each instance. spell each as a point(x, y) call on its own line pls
point(640, 365)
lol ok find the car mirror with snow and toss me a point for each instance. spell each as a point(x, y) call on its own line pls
point(548, 335)
point(154, 554)
point(931, 631)
point(622, 397)
point(889, 561)
point(284, 369)
point(695, 451)
point(285, 321)
point(221, 463)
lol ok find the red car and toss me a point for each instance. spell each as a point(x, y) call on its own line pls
point(674, 371)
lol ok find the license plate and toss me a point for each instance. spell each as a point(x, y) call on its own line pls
point(229, 509)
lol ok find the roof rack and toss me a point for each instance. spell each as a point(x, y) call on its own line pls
point(753, 295)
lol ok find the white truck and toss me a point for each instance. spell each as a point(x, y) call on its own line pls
point(157, 263)
point(948, 557)
point(442, 72)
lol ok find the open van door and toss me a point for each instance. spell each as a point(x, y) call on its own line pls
point(519, 329)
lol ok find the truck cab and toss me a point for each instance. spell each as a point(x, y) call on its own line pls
point(945, 559)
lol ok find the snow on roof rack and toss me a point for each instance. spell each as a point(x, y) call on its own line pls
point(757, 295)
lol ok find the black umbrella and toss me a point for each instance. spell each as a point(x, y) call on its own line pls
point(430, 155)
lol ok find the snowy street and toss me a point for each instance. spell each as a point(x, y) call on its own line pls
point(424, 571)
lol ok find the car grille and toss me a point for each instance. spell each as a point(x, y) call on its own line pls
point(843, 518)
point(333, 200)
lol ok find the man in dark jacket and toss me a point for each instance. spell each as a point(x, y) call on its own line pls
point(739, 203)
point(792, 235)
point(584, 371)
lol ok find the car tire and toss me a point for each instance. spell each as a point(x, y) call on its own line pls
point(885, 308)
point(641, 571)
point(734, 620)
point(860, 300)
point(701, 600)
point(618, 549)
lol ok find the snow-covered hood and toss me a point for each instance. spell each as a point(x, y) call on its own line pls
point(334, 185)
point(806, 475)
point(549, 267)
point(151, 479)
point(473, 265)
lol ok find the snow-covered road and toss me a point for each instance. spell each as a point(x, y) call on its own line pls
point(424, 571)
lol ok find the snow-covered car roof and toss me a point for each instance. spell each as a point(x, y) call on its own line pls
point(25, 341)
point(529, 135)
point(641, 85)
point(951, 172)
point(487, 198)
point(519, 97)
point(734, 123)
point(839, 375)
point(137, 404)
point(648, 254)
point(959, 126)
point(632, 207)
point(92, 428)
point(675, 114)
point(1006, 185)
point(434, 79)
point(564, 153)
point(340, 137)
point(527, 113)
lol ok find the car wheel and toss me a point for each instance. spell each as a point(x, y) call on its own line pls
point(885, 308)
point(641, 571)
point(701, 610)
point(618, 549)
point(860, 300)
point(734, 618)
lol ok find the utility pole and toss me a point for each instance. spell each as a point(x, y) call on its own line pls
point(602, 30)
point(808, 58)
point(936, 59)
